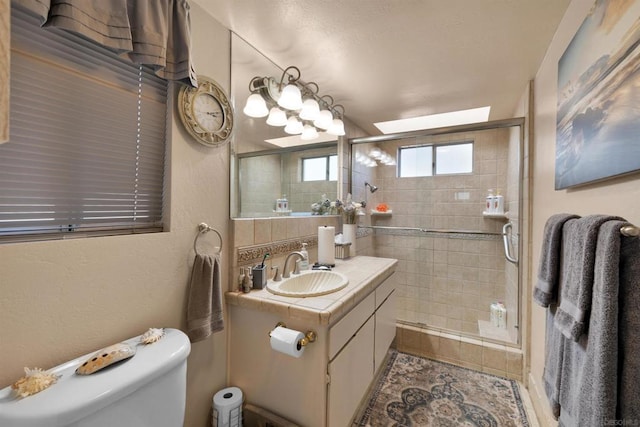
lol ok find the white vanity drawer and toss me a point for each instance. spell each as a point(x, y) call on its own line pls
point(341, 332)
point(384, 290)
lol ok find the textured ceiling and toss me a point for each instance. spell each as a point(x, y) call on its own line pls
point(392, 59)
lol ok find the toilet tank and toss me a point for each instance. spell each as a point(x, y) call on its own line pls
point(147, 390)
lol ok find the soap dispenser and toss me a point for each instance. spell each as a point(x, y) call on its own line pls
point(304, 262)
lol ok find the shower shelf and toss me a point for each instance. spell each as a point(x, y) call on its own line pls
point(496, 215)
point(378, 213)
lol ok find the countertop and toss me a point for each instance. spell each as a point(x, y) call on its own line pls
point(365, 274)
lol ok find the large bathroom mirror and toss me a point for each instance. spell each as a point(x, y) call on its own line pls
point(268, 165)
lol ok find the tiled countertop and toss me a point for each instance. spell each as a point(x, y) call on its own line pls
point(365, 274)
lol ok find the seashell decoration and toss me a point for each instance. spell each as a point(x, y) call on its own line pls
point(34, 381)
point(151, 336)
point(106, 357)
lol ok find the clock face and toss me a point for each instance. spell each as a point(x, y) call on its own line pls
point(208, 112)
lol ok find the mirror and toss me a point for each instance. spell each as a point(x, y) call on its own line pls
point(266, 163)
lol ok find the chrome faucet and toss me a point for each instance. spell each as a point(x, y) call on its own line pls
point(296, 270)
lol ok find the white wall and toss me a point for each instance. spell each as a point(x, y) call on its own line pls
point(619, 196)
point(61, 299)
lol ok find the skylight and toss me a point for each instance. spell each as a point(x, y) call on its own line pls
point(432, 121)
point(294, 140)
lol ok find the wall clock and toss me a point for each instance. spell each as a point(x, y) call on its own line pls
point(206, 112)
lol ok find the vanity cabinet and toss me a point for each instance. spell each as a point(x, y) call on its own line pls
point(326, 385)
point(353, 366)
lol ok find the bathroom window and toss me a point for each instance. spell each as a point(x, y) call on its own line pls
point(324, 168)
point(429, 160)
point(87, 139)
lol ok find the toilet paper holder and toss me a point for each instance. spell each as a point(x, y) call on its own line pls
point(309, 336)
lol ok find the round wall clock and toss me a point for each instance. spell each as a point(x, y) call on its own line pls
point(206, 113)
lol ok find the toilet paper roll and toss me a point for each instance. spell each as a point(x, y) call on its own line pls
point(287, 341)
point(326, 245)
point(227, 404)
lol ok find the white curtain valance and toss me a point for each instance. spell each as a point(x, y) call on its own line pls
point(156, 33)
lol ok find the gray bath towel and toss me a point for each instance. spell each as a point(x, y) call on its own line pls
point(554, 349)
point(580, 239)
point(629, 330)
point(588, 392)
point(545, 291)
point(204, 306)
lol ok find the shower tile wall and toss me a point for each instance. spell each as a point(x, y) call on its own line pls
point(444, 282)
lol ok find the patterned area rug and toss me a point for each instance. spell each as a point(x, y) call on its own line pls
point(414, 391)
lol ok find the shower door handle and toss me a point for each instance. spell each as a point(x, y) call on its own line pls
point(506, 239)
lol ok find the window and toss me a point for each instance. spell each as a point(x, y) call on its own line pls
point(429, 160)
point(323, 168)
point(87, 139)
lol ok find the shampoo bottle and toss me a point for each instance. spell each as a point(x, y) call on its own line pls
point(498, 203)
point(489, 202)
point(304, 263)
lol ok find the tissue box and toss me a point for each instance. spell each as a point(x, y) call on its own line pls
point(343, 250)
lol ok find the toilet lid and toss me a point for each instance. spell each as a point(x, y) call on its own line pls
point(74, 397)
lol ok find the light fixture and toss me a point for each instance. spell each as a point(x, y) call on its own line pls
point(255, 106)
point(277, 117)
point(294, 126)
point(290, 98)
point(310, 109)
point(374, 157)
point(309, 133)
point(310, 112)
point(324, 120)
point(337, 125)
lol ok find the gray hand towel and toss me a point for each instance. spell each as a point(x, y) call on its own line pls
point(545, 291)
point(204, 306)
point(580, 239)
point(589, 391)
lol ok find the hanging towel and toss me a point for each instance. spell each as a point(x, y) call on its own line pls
point(204, 306)
point(554, 348)
point(580, 238)
point(629, 325)
point(590, 368)
point(545, 291)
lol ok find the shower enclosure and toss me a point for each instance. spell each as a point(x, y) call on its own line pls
point(455, 258)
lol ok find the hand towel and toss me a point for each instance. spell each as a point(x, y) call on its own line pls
point(545, 291)
point(590, 369)
point(204, 306)
point(580, 238)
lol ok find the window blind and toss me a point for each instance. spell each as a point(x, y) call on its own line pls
point(87, 138)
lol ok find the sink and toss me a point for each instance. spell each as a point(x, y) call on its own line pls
point(309, 284)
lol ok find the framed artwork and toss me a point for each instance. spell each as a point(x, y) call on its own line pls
point(598, 118)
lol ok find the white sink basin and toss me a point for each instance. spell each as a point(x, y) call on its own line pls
point(309, 284)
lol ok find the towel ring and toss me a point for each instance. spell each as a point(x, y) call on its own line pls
point(203, 228)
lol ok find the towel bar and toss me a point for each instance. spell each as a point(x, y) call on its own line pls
point(203, 228)
point(630, 230)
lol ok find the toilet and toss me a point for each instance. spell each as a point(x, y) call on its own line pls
point(148, 389)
